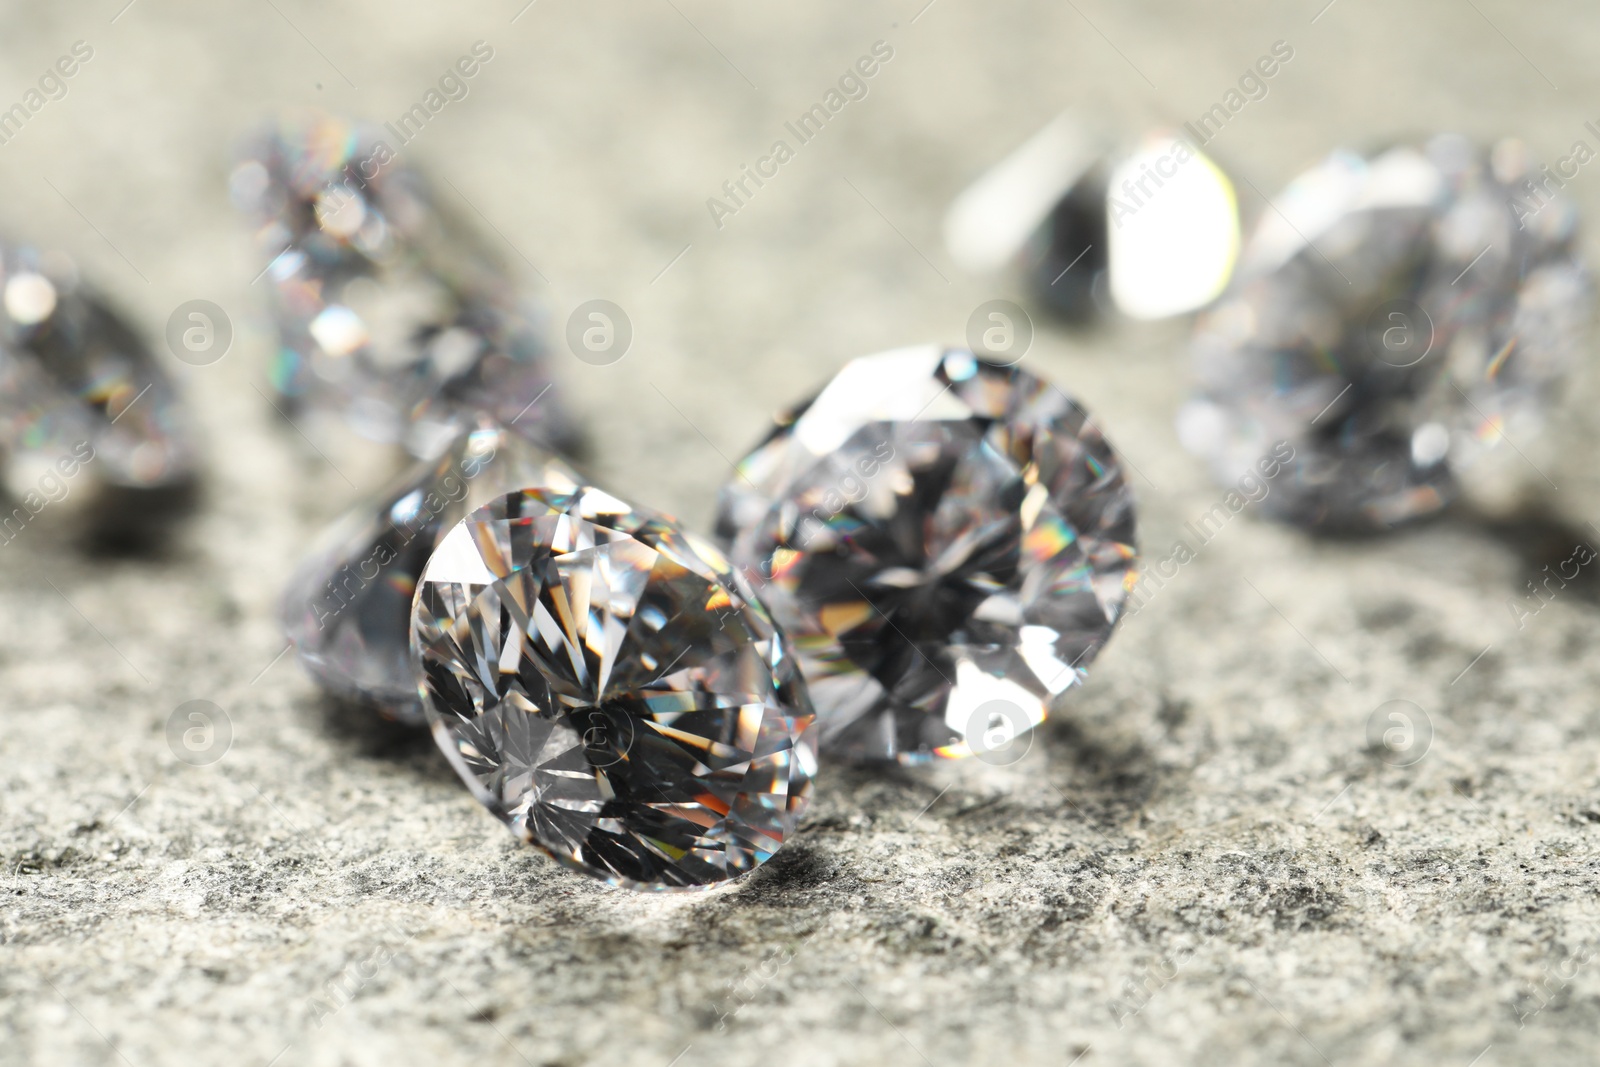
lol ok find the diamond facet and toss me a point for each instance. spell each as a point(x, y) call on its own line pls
point(391, 313)
point(71, 371)
point(348, 605)
point(604, 685)
point(947, 542)
point(1392, 319)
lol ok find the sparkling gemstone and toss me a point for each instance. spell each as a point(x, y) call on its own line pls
point(605, 685)
point(1151, 229)
point(74, 373)
point(1394, 317)
point(391, 314)
point(348, 605)
point(947, 542)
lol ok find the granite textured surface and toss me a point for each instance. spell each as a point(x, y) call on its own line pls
point(1201, 859)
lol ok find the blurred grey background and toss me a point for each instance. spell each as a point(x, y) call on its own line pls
point(1200, 860)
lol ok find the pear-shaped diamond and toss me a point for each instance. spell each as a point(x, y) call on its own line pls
point(607, 687)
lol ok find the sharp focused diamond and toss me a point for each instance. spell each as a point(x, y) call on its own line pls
point(947, 542)
point(348, 606)
point(72, 371)
point(391, 314)
point(1394, 317)
point(603, 684)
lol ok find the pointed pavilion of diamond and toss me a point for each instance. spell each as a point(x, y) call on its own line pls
point(607, 687)
point(393, 314)
point(948, 542)
point(73, 371)
point(346, 610)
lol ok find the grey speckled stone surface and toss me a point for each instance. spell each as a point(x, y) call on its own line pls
point(1200, 860)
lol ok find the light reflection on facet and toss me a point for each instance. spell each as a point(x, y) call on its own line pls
point(1176, 252)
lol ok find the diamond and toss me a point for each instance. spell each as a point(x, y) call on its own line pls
point(346, 609)
point(73, 371)
point(1394, 318)
point(391, 314)
point(605, 686)
point(940, 537)
point(1077, 213)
